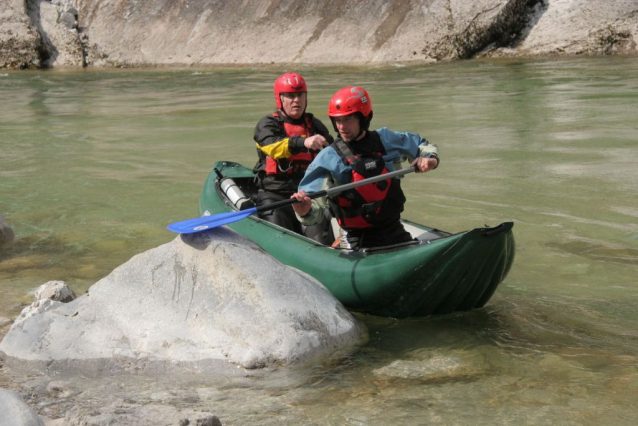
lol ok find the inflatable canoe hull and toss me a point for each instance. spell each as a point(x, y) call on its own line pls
point(439, 274)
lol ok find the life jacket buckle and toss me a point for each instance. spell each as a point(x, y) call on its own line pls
point(290, 165)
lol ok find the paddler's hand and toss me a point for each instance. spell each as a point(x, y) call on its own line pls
point(304, 203)
point(425, 164)
point(316, 142)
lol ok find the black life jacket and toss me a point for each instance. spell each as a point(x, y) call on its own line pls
point(295, 164)
point(371, 205)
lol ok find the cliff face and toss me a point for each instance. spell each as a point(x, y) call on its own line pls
point(206, 32)
point(39, 34)
point(19, 40)
point(578, 27)
point(283, 31)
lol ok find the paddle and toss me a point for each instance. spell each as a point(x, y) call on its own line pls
point(199, 224)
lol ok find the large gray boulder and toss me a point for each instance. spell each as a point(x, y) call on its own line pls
point(14, 412)
point(208, 300)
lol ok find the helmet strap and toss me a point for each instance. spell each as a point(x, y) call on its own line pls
point(364, 123)
point(334, 125)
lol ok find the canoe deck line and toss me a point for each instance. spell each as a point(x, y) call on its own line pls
point(439, 274)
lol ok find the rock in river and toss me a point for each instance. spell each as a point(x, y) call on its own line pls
point(14, 412)
point(200, 300)
point(6, 233)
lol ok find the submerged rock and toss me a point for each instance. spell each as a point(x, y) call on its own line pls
point(6, 233)
point(123, 413)
point(447, 366)
point(434, 369)
point(200, 300)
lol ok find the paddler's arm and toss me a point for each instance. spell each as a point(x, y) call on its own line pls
point(321, 137)
point(304, 209)
point(428, 158)
point(411, 147)
point(271, 139)
point(320, 175)
point(310, 211)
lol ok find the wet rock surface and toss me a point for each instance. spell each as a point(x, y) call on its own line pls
point(14, 411)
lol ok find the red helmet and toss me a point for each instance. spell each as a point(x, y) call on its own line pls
point(349, 100)
point(290, 82)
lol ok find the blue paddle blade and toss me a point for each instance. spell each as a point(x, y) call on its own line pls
point(204, 223)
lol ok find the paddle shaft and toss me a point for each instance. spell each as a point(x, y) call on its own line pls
point(338, 189)
point(203, 223)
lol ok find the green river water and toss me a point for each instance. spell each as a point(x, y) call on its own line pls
point(95, 164)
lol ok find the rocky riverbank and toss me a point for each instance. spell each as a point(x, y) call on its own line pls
point(128, 33)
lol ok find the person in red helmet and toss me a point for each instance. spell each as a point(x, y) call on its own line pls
point(368, 215)
point(287, 141)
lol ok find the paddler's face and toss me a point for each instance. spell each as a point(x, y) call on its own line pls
point(293, 104)
point(348, 127)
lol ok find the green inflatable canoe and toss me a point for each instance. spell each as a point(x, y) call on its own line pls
point(439, 274)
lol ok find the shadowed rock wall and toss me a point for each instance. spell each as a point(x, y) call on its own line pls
point(19, 40)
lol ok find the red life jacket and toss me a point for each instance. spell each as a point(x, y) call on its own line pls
point(297, 163)
point(367, 206)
